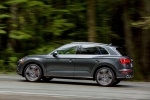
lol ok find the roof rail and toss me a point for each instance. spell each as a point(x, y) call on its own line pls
point(88, 43)
point(83, 42)
point(110, 44)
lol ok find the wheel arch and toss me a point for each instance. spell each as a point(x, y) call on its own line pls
point(34, 62)
point(104, 65)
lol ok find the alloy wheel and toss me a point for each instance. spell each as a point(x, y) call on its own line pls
point(105, 76)
point(33, 72)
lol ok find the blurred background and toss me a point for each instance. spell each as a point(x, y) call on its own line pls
point(39, 26)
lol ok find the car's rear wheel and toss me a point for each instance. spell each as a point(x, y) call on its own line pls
point(105, 76)
point(33, 72)
point(117, 81)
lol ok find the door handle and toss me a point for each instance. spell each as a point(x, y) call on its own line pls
point(96, 61)
point(70, 60)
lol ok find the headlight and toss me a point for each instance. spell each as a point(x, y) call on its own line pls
point(21, 61)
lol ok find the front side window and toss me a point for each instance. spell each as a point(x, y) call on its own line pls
point(67, 50)
point(85, 49)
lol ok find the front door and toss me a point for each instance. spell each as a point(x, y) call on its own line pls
point(63, 63)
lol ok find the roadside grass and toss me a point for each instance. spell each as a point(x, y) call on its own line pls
point(8, 73)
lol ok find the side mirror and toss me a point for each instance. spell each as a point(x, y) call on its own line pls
point(55, 53)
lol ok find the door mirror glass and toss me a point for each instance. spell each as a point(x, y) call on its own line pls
point(55, 53)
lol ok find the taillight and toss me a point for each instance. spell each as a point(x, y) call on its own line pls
point(124, 60)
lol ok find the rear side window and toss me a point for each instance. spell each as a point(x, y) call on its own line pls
point(122, 51)
point(89, 50)
point(103, 51)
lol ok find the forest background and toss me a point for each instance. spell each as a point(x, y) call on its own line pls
point(39, 26)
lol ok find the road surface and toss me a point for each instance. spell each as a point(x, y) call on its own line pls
point(14, 87)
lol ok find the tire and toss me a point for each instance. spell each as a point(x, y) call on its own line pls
point(117, 81)
point(47, 79)
point(33, 73)
point(105, 76)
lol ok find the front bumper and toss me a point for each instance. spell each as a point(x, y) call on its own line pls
point(19, 68)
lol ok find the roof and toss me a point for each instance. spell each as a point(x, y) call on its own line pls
point(88, 43)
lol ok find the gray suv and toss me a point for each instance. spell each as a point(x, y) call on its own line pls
point(106, 64)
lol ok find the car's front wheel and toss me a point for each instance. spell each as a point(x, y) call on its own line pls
point(33, 72)
point(105, 76)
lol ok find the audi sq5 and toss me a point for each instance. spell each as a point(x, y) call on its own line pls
point(104, 63)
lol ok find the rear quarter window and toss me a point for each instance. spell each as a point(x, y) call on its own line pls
point(103, 51)
point(122, 51)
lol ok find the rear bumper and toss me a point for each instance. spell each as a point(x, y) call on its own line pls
point(125, 74)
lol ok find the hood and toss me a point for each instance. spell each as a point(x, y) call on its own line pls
point(39, 56)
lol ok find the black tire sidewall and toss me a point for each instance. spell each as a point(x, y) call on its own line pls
point(117, 81)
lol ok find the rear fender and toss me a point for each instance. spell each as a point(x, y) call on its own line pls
point(103, 65)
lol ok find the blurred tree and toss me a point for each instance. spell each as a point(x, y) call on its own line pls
point(38, 26)
point(4, 16)
point(108, 26)
point(127, 29)
point(91, 20)
point(145, 28)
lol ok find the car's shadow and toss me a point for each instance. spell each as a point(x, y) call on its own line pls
point(73, 82)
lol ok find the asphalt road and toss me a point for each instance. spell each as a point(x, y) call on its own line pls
point(14, 87)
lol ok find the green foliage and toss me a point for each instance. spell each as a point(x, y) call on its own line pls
point(35, 3)
point(47, 48)
point(39, 26)
point(12, 63)
point(8, 64)
point(19, 35)
point(2, 7)
point(144, 24)
point(16, 1)
point(4, 16)
point(1, 64)
point(43, 49)
point(60, 25)
point(2, 31)
point(105, 35)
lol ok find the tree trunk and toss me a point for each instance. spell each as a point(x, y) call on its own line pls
point(127, 31)
point(13, 25)
point(91, 20)
point(145, 43)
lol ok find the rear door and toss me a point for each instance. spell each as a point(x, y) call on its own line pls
point(86, 60)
